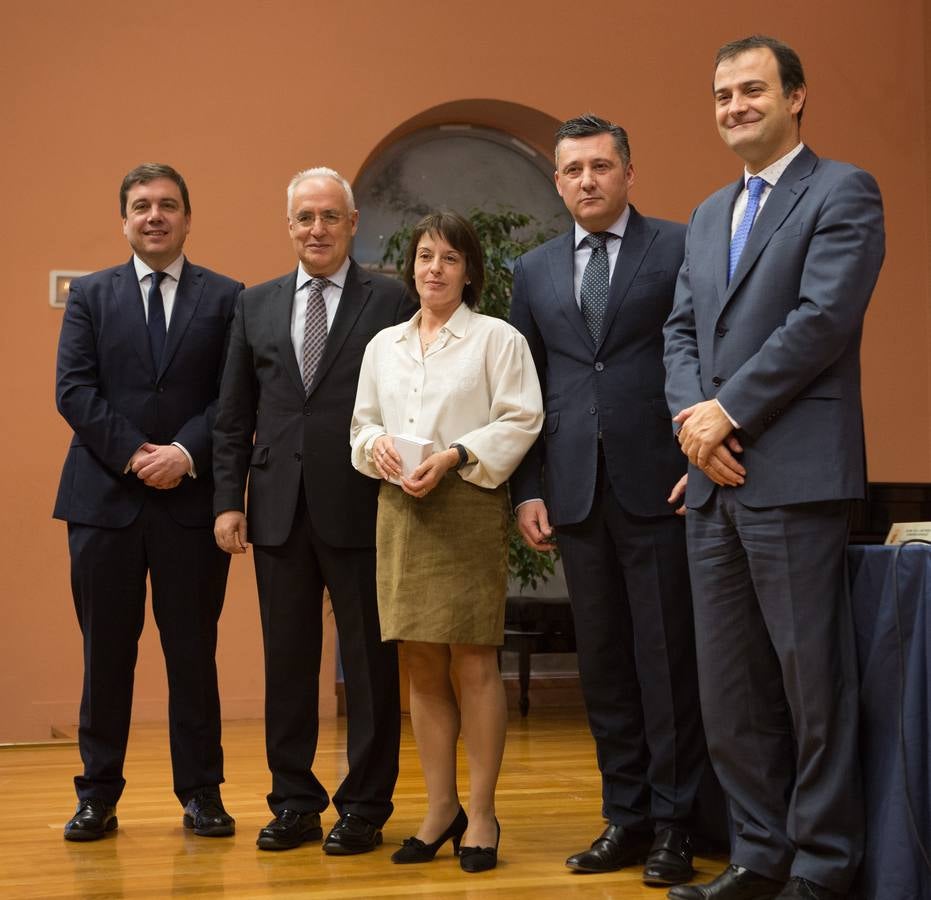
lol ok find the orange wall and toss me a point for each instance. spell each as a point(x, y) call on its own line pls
point(239, 95)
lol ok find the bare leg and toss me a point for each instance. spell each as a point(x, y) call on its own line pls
point(435, 719)
point(484, 712)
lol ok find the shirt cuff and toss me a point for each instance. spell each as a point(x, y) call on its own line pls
point(726, 413)
point(530, 500)
point(190, 460)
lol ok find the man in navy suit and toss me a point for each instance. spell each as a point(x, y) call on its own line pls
point(286, 402)
point(763, 359)
point(591, 304)
point(139, 364)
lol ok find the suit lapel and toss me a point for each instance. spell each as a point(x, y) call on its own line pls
point(636, 241)
point(356, 292)
point(721, 240)
point(780, 202)
point(187, 298)
point(131, 313)
point(561, 264)
point(281, 303)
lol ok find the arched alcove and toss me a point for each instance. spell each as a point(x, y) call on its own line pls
point(485, 154)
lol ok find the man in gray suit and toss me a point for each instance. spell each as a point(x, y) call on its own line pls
point(762, 356)
point(600, 475)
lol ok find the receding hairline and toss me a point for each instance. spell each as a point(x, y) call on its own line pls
point(321, 172)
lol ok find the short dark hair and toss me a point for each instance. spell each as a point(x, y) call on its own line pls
point(459, 233)
point(588, 125)
point(791, 73)
point(149, 172)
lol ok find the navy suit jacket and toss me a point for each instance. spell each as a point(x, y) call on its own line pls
point(299, 438)
point(616, 386)
point(780, 345)
point(109, 392)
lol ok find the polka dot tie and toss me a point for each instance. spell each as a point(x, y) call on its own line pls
point(755, 187)
point(594, 292)
point(314, 331)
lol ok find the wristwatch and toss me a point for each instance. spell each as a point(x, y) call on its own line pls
point(463, 455)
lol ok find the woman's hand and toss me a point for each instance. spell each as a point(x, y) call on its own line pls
point(386, 458)
point(430, 472)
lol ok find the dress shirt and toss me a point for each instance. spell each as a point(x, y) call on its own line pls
point(476, 385)
point(770, 175)
point(583, 253)
point(169, 289)
point(331, 294)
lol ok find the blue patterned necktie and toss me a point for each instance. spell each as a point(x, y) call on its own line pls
point(157, 329)
point(594, 291)
point(755, 187)
point(315, 331)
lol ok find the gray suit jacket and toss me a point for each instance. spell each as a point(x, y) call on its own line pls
point(780, 345)
point(269, 432)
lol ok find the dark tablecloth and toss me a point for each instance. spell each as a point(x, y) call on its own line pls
point(894, 769)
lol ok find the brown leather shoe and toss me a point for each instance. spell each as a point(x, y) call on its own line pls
point(615, 849)
point(670, 859)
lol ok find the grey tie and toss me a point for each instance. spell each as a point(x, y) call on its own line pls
point(314, 331)
point(594, 291)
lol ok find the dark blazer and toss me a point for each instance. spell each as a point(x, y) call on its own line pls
point(617, 385)
point(780, 345)
point(298, 436)
point(110, 394)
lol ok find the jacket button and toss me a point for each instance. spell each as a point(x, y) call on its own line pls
point(599, 366)
point(717, 381)
point(592, 410)
point(297, 456)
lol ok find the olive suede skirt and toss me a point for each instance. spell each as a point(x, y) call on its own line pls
point(442, 563)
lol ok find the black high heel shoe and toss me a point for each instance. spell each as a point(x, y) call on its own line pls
point(480, 859)
point(414, 850)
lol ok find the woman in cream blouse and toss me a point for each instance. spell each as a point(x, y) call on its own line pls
point(467, 382)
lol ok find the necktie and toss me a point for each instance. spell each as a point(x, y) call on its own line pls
point(156, 319)
point(314, 331)
point(755, 187)
point(594, 291)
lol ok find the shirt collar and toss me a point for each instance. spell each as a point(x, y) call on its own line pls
point(456, 325)
point(338, 277)
point(144, 269)
point(616, 230)
point(774, 171)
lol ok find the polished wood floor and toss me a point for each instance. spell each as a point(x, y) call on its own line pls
point(548, 802)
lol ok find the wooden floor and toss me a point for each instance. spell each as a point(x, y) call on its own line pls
point(548, 803)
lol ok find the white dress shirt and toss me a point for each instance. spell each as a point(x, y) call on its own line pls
point(583, 253)
point(476, 386)
point(169, 289)
point(770, 175)
point(331, 294)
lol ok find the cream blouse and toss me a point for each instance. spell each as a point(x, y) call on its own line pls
point(476, 386)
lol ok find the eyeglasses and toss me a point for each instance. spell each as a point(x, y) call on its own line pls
point(328, 218)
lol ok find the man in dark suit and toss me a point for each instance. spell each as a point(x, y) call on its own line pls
point(285, 408)
point(139, 365)
point(762, 352)
point(591, 304)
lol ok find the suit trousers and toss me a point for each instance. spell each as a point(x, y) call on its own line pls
point(628, 586)
point(291, 579)
point(108, 579)
point(778, 679)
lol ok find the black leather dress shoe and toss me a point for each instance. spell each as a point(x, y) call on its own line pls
point(614, 850)
point(734, 883)
point(92, 821)
point(290, 829)
point(803, 889)
point(352, 834)
point(204, 813)
point(670, 859)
